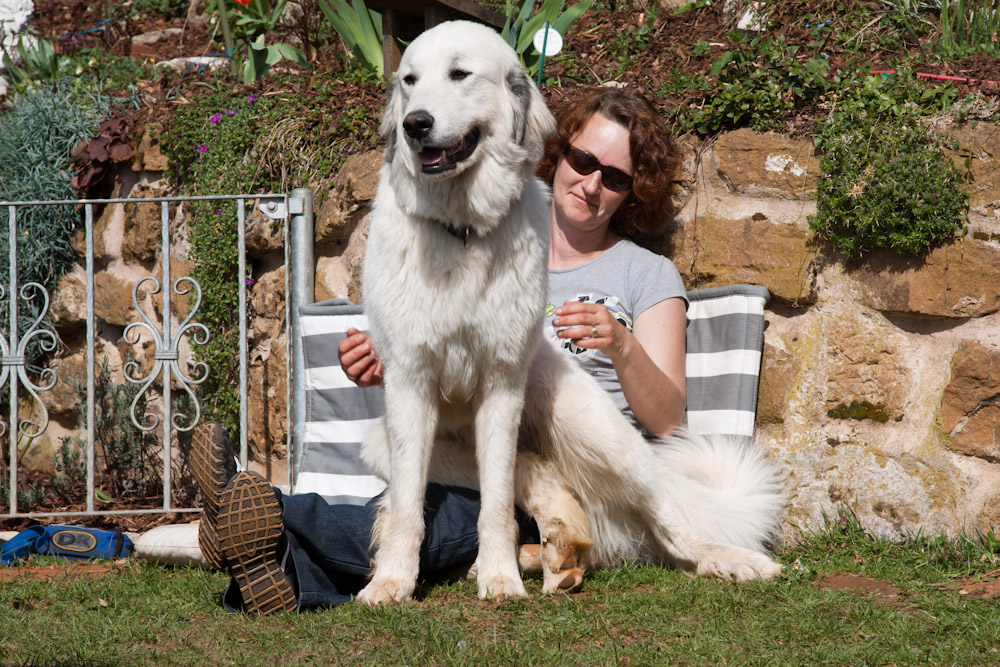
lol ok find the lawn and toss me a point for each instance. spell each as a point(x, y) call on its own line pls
point(845, 599)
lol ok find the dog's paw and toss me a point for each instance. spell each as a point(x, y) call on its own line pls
point(500, 588)
point(564, 557)
point(385, 590)
point(737, 564)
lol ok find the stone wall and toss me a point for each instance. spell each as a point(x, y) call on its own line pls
point(881, 377)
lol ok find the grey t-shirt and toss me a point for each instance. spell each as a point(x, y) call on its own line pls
point(627, 279)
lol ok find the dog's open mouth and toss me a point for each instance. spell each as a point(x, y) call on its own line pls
point(434, 160)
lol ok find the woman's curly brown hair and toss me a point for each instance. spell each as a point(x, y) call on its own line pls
point(655, 159)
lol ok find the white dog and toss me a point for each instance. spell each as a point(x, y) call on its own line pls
point(454, 287)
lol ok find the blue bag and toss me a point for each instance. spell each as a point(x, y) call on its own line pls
point(67, 541)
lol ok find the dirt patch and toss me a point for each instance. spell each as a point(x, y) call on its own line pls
point(882, 592)
point(985, 586)
point(59, 571)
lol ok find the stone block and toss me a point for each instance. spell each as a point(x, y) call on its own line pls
point(868, 374)
point(113, 299)
point(713, 251)
point(349, 200)
point(779, 371)
point(980, 144)
point(958, 280)
point(970, 405)
point(766, 165)
point(148, 156)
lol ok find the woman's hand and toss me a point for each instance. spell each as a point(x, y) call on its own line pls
point(358, 359)
point(649, 360)
point(590, 326)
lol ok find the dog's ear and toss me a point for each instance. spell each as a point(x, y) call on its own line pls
point(390, 118)
point(533, 122)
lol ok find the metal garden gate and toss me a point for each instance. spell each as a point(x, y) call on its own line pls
point(294, 209)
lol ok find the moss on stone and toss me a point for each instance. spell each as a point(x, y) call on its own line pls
point(860, 410)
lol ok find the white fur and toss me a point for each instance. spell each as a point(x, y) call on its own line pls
point(459, 333)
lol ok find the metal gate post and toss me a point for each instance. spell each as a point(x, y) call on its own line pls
point(300, 277)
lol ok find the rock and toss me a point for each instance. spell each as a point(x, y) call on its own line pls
point(157, 36)
point(148, 156)
point(264, 236)
point(113, 299)
point(891, 494)
point(970, 405)
point(713, 251)
point(980, 143)
point(867, 369)
point(958, 280)
point(267, 402)
point(267, 306)
point(69, 301)
point(779, 370)
point(339, 277)
point(766, 165)
point(63, 400)
point(348, 202)
point(142, 232)
point(195, 63)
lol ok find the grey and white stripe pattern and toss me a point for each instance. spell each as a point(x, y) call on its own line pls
point(338, 413)
point(725, 337)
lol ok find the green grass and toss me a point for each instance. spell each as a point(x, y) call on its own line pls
point(147, 614)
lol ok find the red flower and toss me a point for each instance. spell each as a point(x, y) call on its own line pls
point(243, 2)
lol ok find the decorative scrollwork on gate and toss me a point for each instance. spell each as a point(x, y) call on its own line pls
point(13, 356)
point(167, 353)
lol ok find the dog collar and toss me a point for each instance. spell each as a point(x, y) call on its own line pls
point(461, 234)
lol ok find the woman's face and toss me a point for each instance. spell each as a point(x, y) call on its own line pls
point(584, 201)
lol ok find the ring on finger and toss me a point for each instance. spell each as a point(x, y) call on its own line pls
point(593, 331)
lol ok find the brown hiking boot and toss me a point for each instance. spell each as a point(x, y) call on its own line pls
point(249, 528)
point(213, 466)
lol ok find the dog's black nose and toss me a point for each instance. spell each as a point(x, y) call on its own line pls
point(418, 123)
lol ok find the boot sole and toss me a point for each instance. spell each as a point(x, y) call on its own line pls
point(213, 467)
point(249, 527)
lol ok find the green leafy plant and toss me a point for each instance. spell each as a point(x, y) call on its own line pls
point(756, 84)
point(36, 136)
point(884, 181)
point(254, 22)
point(968, 28)
point(38, 62)
point(261, 56)
point(361, 30)
point(520, 27)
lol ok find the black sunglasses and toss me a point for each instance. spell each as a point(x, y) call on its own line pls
point(584, 163)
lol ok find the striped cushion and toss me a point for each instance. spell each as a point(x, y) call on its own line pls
point(725, 336)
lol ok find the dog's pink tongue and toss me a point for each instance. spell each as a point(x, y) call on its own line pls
point(430, 156)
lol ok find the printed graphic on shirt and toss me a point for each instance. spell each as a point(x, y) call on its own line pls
point(612, 303)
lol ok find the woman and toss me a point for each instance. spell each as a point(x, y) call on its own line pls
point(611, 165)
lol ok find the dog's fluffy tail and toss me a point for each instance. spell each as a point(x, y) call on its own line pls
point(722, 488)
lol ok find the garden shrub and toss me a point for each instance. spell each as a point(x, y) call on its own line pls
point(884, 181)
point(37, 133)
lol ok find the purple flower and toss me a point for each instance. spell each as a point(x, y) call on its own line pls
point(218, 212)
point(250, 282)
point(250, 98)
point(232, 112)
point(216, 118)
point(202, 148)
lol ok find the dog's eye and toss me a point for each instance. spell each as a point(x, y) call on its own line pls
point(409, 79)
point(458, 74)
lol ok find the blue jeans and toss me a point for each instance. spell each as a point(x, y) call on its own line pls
point(329, 544)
